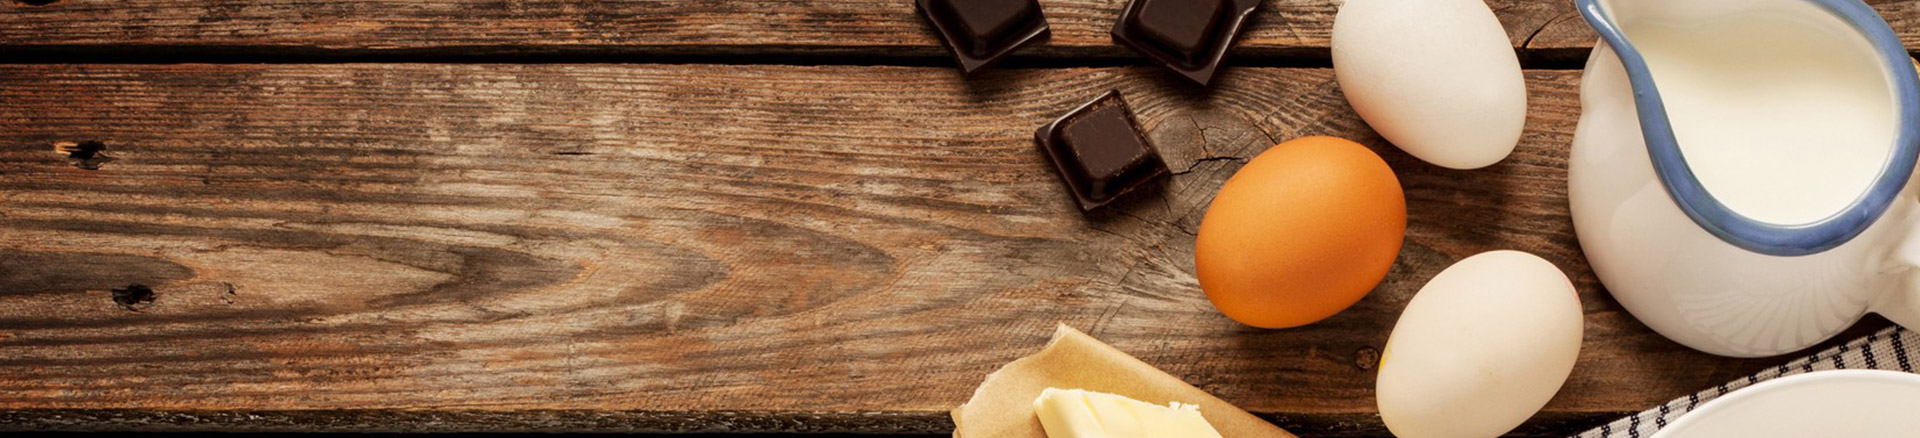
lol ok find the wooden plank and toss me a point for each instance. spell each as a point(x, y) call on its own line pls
point(1546, 30)
point(652, 247)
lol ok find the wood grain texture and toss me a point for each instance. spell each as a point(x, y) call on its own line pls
point(652, 247)
point(1544, 30)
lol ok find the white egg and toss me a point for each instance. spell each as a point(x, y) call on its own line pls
point(1480, 348)
point(1438, 78)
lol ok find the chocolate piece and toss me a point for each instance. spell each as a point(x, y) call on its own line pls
point(1188, 36)
point(1181, 26)
point(1099, 151)
point(980, 32)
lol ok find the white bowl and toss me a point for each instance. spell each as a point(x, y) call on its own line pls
point(1839, 403)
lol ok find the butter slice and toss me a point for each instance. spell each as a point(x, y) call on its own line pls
point(1075, 413)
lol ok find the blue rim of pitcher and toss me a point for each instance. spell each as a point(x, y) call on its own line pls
point(1745, 232)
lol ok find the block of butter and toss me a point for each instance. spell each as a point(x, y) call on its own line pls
point(1078, 413)
point(1003, 405)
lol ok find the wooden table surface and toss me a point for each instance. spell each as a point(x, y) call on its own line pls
point(683, 215)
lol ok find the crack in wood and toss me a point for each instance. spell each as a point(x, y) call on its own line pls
point(1527, 44)
point(1204, 160)
point(86, 155)
point(133, 297)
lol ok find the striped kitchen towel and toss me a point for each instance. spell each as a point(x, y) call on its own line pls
point(1884, 350)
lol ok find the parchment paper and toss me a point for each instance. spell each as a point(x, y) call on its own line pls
point(1003, 406)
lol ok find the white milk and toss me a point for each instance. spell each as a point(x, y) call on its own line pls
point(1785, 120)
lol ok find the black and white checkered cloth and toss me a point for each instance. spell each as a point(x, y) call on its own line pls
point(1890, 349)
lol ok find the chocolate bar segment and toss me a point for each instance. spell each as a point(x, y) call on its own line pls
point(1188, 36)
point(1099, 151)
point(1181, 27)
point(981, 32)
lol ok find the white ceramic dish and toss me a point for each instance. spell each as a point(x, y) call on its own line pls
point(1695, 277)
point(1839, 403)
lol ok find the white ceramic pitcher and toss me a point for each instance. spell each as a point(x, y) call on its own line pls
point(1739, 179)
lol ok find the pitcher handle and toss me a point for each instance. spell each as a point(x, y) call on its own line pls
point(1901, 303)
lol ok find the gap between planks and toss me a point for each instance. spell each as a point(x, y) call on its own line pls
point(1550, 59)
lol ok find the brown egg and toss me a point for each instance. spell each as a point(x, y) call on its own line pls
point(1300, 233)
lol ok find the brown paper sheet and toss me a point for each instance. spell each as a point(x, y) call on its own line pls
point(1003, 406)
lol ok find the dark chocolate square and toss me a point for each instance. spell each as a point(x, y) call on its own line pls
point(1189, 37)
point(982, 22)
point(1099, 151)
point(1182, 26)
point(1102, 147)
point(980, 32)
